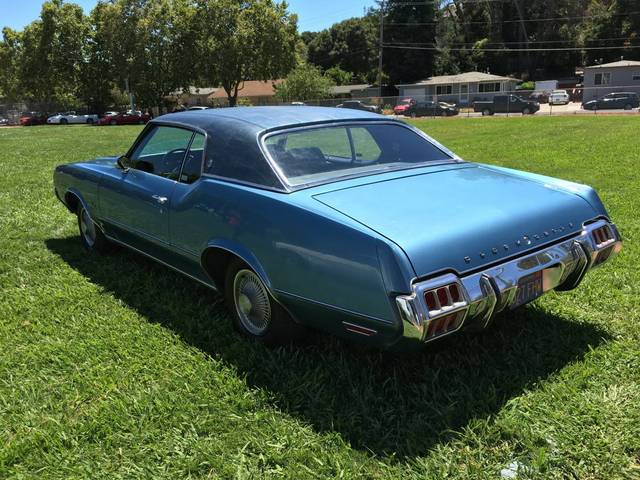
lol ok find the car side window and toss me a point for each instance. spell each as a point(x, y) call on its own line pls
point(162, 151)
point(365, 147)
point(192, 168)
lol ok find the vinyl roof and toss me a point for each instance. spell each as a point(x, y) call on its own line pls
point(266, 118)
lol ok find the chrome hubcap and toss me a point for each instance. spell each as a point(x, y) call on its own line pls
point(87, 228)
point(252, 302)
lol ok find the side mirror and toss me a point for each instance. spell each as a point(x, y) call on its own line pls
point(123, 163)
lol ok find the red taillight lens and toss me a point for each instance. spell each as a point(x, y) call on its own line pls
point(445, 324)
point(432, 303)
point(602, 234)
point(444, 297)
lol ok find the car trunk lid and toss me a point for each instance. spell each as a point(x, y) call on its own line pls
point(461, 218)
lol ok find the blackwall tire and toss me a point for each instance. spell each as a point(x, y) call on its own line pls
point(91, 237)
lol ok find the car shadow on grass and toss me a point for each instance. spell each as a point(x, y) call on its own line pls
point(400, 405)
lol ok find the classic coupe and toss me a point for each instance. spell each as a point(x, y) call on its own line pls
point(339, 220)
point(71, 117)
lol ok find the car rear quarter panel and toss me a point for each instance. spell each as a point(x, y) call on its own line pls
point(318, 263)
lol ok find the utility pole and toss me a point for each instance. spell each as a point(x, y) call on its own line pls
point(381, 41)
point(126, 84)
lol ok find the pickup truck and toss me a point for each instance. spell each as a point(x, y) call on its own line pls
point(506, 104)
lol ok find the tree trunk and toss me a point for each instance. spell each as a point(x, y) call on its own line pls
point(232, 94)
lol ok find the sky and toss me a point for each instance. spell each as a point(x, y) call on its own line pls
point(312, 14)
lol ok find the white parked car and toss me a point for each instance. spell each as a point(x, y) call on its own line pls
point(559, 97)
point(71, 117)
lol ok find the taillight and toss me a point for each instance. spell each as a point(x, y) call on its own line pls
point(602, 235)
point(446, 307)
point(443, 298)
point(445, 324)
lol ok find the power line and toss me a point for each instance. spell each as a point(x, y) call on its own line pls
point(563, 49)
point(549, 19)
point(471, 44)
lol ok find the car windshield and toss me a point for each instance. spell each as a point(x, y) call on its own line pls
point(324, 154)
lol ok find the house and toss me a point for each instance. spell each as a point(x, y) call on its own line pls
point(255, 92)
point(621, 76)
point(354, 91)
point(193, 96)
point(462, 89)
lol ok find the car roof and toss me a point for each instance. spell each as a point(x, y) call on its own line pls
point(266, 118)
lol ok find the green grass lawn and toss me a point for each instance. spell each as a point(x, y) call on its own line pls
point(116, 367)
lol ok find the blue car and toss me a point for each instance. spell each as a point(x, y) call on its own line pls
point(339, 220)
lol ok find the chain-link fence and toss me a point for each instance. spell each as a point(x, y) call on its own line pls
point(452, 100)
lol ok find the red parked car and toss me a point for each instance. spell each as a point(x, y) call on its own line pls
point(32, 118)
point(403, 105)
point(125, 118)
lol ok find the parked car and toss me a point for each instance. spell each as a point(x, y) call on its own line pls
point(559, 97)
point(539, 96)
point(198, 107)
point(28, 119)
point(4, 121)
point(71, 117)
point(431, 109)
point(359, 105)
point(506, 104)
point(125, 118)
point(618, 100)
point(403, 105)
point(341, 220)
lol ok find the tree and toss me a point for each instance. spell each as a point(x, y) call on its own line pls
point(339, 76)
point(53, 51)
point(350, 45)
point(304, 83)
point(10, 58)
point(409, 24)
point(147, 43)
point(244, 40)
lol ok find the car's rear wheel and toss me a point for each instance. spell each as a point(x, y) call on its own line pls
point(486, 112)
point(92, 238)
point(113, 122)
point(254, 312)
point(526, 111)
point(63, 121)
point(89, 121)
point(628, 106)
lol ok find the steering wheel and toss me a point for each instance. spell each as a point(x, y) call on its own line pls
point(167, 165)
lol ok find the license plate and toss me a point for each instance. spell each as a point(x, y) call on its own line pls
point(529, 288)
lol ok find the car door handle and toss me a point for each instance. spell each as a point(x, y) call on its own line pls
point(159, 199)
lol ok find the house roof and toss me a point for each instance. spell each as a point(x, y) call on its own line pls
point(620, 63)
point(251, 88)
point(467, 77)
point(342, 89)
point(205, 91)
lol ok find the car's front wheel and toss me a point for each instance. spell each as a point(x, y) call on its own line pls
point(526, 111)
point(63, 121)
point(628, 106)
point(486, 112)
point(113, 122)
point(92, 238)
point(254, 312)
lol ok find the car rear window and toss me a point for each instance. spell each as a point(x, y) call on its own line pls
point(324, 154)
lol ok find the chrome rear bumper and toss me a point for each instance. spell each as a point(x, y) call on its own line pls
point(493, 290)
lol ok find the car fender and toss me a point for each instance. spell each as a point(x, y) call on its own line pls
point(241, 252)
point(75, 192)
